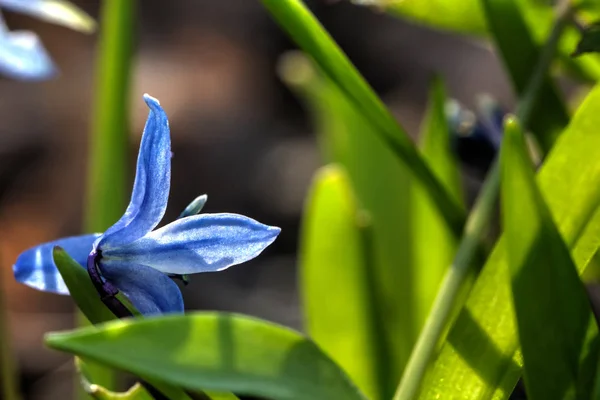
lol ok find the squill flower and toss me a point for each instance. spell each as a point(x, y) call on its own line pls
point(137, 260)
point(476, 137)
point(22, 55)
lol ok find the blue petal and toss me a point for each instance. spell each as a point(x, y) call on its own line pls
point(23, 56)
point(151, 185)
point(35, 267)
point(150, 291)
point(199, 243)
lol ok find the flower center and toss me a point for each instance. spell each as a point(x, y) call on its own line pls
point(104, 288)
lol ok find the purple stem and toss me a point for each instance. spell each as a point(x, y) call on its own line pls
point(106, 291)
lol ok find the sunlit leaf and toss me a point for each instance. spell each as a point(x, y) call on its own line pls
point(465, 16)
point(216, 351)
point(552, 308)
point(481, 358)
point(87, 299)
point(340, 318)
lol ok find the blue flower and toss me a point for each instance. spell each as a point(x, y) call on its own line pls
point(22, 55)
point(476, 137)
point(136, 259)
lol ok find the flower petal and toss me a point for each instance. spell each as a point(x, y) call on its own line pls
point(23, 56)
point(199, 243)
point(150, 291)
point(35, 267)
point(55, 11)
point(151, 185)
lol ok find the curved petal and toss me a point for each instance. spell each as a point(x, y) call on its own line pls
point(55, 11)
point(35, 267)
point(151, 186)
point(150, 291)
point(199, 243)
point(23, 56)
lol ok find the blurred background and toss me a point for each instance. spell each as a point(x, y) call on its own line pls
point(239, 135)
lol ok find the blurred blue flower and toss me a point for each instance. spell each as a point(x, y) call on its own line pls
point(476, 137)
point(22, 55)
point(137, 260)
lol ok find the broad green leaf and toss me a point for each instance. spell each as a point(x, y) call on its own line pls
point(81, 288)
point(344, 137)
point(551, 305)
point(217, 351)
point(340, 318)
point(520, 54)
point(58, 12)
point(302, 26)
point(88, 301)
point(433, 243)
point(480, 358)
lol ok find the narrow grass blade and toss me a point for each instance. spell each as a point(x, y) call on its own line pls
point(520, 54)
point(302, 26)
point(433, 243)
point(8, 370)
point(107, 171)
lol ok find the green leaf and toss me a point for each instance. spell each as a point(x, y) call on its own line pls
point(480, 358)
point(88, 301)
point(303, 28)
point(344, 138)
point(468, 17)
point(106, 192)
point(340, 318)
point(465, 16)
point(429, 230)
point(520, 54)
point(214, 350)
point(548, 294)
point(590, 40)
point(81, 288)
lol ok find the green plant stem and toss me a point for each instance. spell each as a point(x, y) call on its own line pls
point(106, 195)
point(8, 375)
point(477, 222)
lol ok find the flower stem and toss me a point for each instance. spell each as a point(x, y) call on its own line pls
point(477, 222)
point(106, 195)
